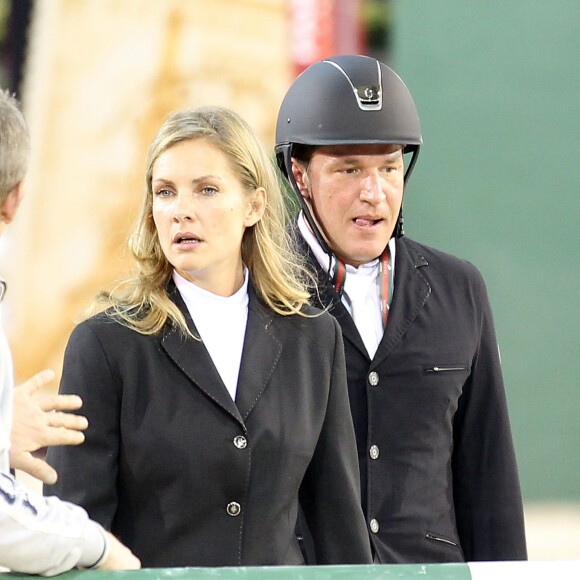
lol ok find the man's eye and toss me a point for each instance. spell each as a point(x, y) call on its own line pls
point(349, 170)
point(391, 168)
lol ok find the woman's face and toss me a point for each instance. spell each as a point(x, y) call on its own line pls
point(201, 211)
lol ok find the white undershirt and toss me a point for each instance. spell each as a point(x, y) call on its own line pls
point(361, 296)
point(221, 323)
point(6, 386)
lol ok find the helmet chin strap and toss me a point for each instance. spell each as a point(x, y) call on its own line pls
point(399, 229)
point(305, 205)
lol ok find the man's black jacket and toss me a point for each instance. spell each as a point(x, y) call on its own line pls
point(438, 470)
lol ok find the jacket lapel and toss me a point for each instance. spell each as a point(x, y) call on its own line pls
point(411, 293)
point(193, 359)
point(330, 297)
point(327, 296)
point(262, 351)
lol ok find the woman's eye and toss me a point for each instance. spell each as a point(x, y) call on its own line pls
point(209, 190)
point(163, 193)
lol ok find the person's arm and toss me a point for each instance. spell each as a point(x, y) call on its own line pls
point(486, 488)
point(330, 492)
point(41, 420)
point(47, 536)
point(88, 472)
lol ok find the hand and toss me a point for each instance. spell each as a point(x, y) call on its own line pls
point(39, 421)
point(120, 557)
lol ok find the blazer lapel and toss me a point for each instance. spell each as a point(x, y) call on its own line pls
point(262, 351)
point(330, 297)
point(193, 359)
point(411, 293)
point(327, 296)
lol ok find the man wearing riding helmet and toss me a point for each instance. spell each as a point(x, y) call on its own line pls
point(438, 470)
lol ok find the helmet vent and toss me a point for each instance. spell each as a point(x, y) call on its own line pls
point(368, 97)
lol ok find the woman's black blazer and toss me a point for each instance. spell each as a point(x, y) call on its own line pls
point(185, 476)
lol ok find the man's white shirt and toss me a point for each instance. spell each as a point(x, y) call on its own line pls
point(361, 296)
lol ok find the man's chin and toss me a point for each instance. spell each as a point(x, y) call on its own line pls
point(359, 259)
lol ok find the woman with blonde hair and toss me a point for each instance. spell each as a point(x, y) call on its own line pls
point(216, 396)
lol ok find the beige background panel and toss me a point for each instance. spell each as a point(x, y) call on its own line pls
point(101, 76)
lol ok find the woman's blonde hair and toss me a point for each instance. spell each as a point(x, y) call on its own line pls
point(276, 269)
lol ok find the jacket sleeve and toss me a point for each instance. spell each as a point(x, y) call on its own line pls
point(45, 536)
point(88, 472)
point(487, 496)
point(330, 492)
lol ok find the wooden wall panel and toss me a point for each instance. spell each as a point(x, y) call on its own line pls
point(101, 76)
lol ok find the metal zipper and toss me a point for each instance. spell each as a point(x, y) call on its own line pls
point(430, 536)
point(443, 369)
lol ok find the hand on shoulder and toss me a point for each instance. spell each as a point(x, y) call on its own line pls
point(42, 419)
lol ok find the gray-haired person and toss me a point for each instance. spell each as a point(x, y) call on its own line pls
point(38, 535)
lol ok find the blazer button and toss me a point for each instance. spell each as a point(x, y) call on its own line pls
point(374, 525)
point(374, 379)
point(374, 452)
point(240, 442)
point(234, 508)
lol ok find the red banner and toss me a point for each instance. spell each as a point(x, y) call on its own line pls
point(323, 28)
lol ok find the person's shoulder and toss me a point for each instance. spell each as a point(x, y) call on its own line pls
point(449, 264)
point(103, 325)
point(311, 311)
point(105, 318)
point(318, 333)
point(319, 321)
point(311, 320)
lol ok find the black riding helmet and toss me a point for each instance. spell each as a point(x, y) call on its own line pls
point(346, 100)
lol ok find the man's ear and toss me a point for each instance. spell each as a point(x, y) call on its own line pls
point(10, 204)
point(301, 177)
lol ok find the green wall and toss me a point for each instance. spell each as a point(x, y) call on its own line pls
point(497, 85)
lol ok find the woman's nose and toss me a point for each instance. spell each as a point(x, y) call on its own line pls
point(183, 209)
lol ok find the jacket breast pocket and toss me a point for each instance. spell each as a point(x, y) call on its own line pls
point(444, 379)
point(446, 548)
point(444, 368)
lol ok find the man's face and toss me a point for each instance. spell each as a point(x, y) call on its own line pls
point(356, 193)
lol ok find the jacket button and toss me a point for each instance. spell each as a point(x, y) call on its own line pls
point(240, 442)
point(374, 525)
point(374, 452)
point(234, 508)
point(374, 379)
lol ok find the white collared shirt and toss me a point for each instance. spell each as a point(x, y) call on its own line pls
point(221, 322)
point(6, 386)
point(361, 286)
